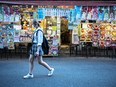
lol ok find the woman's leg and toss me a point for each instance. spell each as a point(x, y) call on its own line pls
point(31, 63)
point(40, 61)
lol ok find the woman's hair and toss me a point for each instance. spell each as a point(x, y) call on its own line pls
point(36, 23)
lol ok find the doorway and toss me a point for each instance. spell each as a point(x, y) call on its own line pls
point(65, 33)
point(65, 37)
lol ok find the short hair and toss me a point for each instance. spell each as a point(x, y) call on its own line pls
point(35, 22)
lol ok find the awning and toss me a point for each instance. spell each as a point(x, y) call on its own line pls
point(61, 2)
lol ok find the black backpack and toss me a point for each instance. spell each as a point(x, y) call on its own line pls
point(45, 45)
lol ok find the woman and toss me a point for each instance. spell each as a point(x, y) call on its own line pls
point(37, 52)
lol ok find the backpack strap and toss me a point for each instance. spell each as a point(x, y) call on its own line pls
point(36, 34)
point(37, 31)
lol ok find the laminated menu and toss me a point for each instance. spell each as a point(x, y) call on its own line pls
point(95, 34)
point(86, 32)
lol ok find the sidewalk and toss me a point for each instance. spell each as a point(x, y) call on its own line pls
point(69, 72)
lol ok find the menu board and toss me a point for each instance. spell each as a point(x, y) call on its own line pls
point(114, 33)
point(7, 36)
point(86, 32)
point(99, 34)
point(108, 34)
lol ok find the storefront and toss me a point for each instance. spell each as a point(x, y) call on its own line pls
point(62, 24)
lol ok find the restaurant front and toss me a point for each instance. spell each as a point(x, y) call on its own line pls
point(71, 26)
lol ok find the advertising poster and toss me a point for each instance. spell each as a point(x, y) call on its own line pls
point(54, 51)
point(95, 13)
point(75, 39)
point(16, 35)
point(72, 15)
point(40, 13)
point(6, 14)
point(106, 13)
point(78, 10)
point(1, 13)
point(89, 12)
point(111, 13)
point(55, 41)
point(1, 45)
point(115, 11)
point(84, 13)
point(17, 14)
point(10, 36)
point(100, 13)
point(34, 15)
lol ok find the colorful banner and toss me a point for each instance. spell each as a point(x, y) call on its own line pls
point(111, 13)
point(95, 13)
point(106, 13)
point(78, 10)
point(101, 13)
point(89, 12)
point(40, 13)
point(84, 13)
point(115, 12)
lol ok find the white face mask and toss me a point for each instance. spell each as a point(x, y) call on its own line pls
point(35, 26)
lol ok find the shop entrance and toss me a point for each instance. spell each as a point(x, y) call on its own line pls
point(65, 37)
point(65, 33)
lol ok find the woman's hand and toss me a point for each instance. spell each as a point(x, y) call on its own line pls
point(37, 53)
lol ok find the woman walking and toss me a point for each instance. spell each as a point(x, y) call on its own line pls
point(37, 52)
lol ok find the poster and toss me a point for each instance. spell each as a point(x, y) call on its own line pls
point(94, 13)
point(1, 14)
point(16, 36)
point(54, 51)
point(1, 45)
point(100, 13)
point(84, 13)
point(75, 39)
point(106, 13)
point(72, 15)
point(111, 13)
point(78, 10)
point(17, 27)
point(10, 36)
point(115, 12)
point(40, 13)
point(55, 41)
point(17, 14)
point(89, 12)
